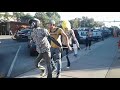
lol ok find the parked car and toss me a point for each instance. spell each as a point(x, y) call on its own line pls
point(97, 34)
point(105, 33)
point(23, 34)
point(77, 35)
point(82, 35)
point(32, 48)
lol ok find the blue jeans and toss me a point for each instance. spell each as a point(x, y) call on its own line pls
point(56, 55)
point(67, 52)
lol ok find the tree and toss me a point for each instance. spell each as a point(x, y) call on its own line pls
point(90, 23)
point(6, 16)
point(98, 24)
point(42, 17)
point(71, 22)
point(114, 27)
point(75, 23)
point(87, 22)
point(49, 14)
point(1, 15)
point(54, 15)
point(46, 17)
point(18, 15)
point(84, 21)
point(26, 17)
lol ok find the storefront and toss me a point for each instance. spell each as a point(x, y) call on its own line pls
point(5, 27)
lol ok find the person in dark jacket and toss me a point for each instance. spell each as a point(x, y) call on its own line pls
point(77, 35)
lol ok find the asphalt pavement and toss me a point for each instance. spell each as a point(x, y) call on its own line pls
point(94, 63)
point(15, 58)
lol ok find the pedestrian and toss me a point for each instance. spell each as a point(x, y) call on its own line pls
point(56, 32)
point(39, 36)
point(114, 33)
point(71, 36)
point(77, 35)
point(88, 39)
point(118, 44)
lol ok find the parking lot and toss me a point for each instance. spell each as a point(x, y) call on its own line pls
point(15, 58)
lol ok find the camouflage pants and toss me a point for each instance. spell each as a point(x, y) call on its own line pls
point(47, 58)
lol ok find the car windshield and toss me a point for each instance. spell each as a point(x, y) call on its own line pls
point(83, 33)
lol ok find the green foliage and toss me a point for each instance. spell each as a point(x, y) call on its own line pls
point(18, 15)
point(45, 17)
point(26, 18)
point(85, 22)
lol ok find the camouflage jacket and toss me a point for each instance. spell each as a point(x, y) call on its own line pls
point(39, 36)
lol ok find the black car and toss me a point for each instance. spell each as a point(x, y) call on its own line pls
point(23, 34)
point(105, 33)
point(32, 48)
point(82, 36)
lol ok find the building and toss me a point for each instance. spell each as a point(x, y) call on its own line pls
point(10, 23)
point(5, 27)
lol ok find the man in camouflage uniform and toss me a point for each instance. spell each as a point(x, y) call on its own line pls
point(39, 36)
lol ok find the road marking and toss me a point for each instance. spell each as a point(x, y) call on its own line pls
point(11, 67)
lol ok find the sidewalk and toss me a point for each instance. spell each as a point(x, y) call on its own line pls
point(114, 71)
point(93, 63)
point(5, 36)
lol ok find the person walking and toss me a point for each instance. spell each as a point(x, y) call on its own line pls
point(39, 36)
point(66, 26)
point(56, 33)
point(88, 39)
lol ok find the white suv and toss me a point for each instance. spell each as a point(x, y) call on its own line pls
point(97, 34)
point(83, 35)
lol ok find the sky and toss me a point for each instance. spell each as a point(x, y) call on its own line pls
point(98, 16)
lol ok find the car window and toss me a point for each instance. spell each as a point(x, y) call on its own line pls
point(25, 31)
point(83, 33)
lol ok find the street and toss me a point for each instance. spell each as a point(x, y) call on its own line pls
point(15, 58)
point(12, 61)
point(98, 34)
point(99, 62)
